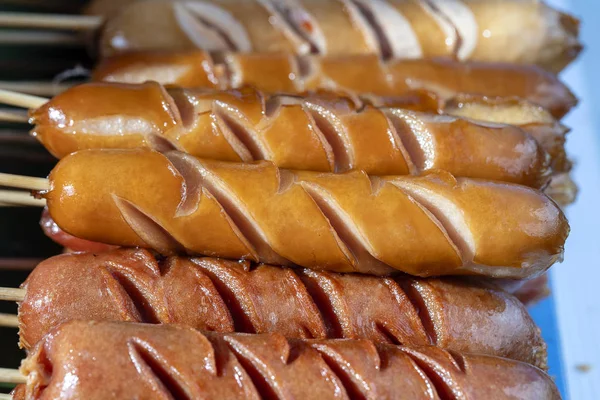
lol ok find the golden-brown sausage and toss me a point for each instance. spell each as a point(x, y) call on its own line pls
point(427, 225)
point(229, 296)
point(513, 31)
point(96, 360)
point(363, 75)
point(315, 134)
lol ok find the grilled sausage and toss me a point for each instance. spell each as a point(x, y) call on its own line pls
point(227, 296)
point(513, 31)
point(428, 225)
point(365, 75)
point(91, 360)
point(315, 134)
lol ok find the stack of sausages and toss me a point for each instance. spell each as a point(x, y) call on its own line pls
point(303, 199)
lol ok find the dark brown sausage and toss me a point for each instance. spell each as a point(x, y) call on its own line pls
point(89, 360)
point(225, 296)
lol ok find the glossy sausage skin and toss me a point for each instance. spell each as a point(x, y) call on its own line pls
point(427, 225)
point(366, 76)
point(514, 31)
point(533, 119)
point(97, 360)
point(227, 296)
point(319, 133)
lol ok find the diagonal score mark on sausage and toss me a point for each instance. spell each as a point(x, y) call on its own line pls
point(298, 25)
point(149, 230)
point(346, 230)
point(430, 317)
point(364, 368)
point(192, 170)
point(157, 371)
point(387, 27)
point(333, 130)
point(462, 19)
point(143, 310)
point(275, 365)
point(239, 135)
point(448, 214)
point(234, 294)
point(263, 375)
point(442, 370)
point(211, 27)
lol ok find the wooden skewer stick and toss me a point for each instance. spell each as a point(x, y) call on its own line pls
point(21, 100)
point(11, 376)
point(49, 21)
point(18, 263)
point(42, 4)
point(9, 321)
point(38, 88)
point(20, 198)
point(40, 38)
point(23, 182)
point(13, 116)
point(12, 294)
point(16, 137)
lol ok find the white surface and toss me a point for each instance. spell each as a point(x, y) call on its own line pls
point(576, 281)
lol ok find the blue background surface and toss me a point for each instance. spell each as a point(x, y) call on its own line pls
point(575, 306)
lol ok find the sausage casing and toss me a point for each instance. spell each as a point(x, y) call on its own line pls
point(512, 31)
point(427, 225)
point(95, 360)
point(364, 75)
point(229, 296)
point(319, 133)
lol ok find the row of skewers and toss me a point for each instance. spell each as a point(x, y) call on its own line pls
point(319, 143)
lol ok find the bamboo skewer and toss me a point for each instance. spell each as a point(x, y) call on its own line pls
point(46, 21)
point(38, 88)
point(13, 116)
point(12, 294)
point(9, 321)
point(21, 100)
point(23, 264)
point(11, 376)
point(17, 137)
point(23, 182)
point(20, 37)
point(20, 198)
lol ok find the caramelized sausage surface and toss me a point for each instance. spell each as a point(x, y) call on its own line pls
point(319, 133)
point(96, 360)
point(229, 296)
point(427, 225)
point(365, 76)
